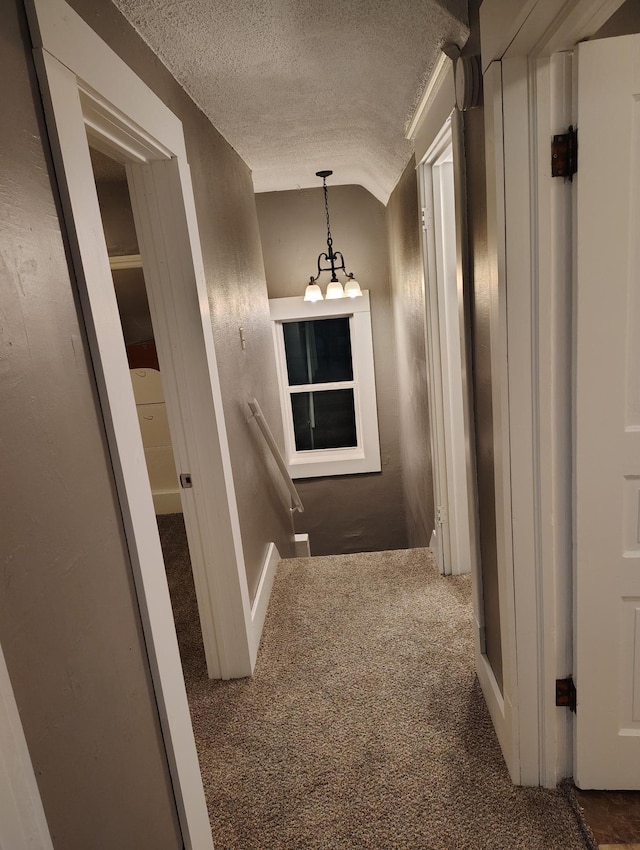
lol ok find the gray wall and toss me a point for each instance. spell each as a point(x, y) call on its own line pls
point(407, 285)
point(234, 270)
point(69, 621)
point(625, 21)
point(346, 513)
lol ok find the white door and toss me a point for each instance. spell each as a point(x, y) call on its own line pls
point(607, 416)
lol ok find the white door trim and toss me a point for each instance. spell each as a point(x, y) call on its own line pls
point(537, 323)
point(446, 355)
point(116, 393)
point(440, 540)
point(506, 714)
point(552, 218)
point(86, 87)
point(23, 825)
point(191, 386)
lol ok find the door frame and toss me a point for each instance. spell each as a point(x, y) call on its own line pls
point(88, 89)
point(440, 540)
point(523, 44)
point(445, 339)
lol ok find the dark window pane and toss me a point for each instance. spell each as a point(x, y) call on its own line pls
point(318, 352)
point(324, 420)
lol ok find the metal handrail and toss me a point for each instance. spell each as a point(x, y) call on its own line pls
point(258, 415)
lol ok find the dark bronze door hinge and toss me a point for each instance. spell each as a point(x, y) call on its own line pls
point(564, 154)
point(566, 695)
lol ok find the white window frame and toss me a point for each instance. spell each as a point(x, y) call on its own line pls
point(365, 456)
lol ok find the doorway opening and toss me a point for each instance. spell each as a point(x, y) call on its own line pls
point(146, 375)
point(164, 429)
point(137, 330)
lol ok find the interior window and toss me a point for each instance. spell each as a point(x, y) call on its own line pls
point(325, 369)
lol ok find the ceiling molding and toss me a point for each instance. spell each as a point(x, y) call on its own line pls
point(434, 84)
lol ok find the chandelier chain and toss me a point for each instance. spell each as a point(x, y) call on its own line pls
point(326, 209)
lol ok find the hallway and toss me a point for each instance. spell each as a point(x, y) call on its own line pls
point(373, 720)
point(364, 725)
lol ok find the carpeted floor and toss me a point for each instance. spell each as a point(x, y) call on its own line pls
point(363, 727)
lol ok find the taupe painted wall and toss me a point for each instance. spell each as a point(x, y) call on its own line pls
point(69, 620)
point(407, 285)
point(234, 270)
point(625, 21)
point(347, 513)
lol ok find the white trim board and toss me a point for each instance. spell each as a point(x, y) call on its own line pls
point(125, 261)
point(445, 341)
point(434, 84)
point(554, 83)
point(127, 455)
point(23, 825)
point(495, 701)
point(263, 594)
point(167, 502)
point(507, 721)
point(434, 343)
point(302, 546)
point(86, 87)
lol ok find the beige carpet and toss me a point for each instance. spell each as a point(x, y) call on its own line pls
point(363, 726)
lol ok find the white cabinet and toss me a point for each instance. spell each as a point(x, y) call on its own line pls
point(156, 439)
point(154, 425)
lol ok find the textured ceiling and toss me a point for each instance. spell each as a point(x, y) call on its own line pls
point(301, 85)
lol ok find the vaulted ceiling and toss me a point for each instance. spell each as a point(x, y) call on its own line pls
point(301, 85)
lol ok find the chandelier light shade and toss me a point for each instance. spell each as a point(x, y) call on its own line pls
point(313, 293)
point(333, 262)
point(335, 290)
point(352, 287)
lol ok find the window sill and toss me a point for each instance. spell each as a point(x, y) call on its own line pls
point(301, 467)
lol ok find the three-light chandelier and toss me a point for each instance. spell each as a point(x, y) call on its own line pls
point(335, 260)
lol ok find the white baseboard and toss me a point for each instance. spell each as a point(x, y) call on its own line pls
point(167, 502)
point(435, 544)
point(302, 548)
point(498, 711)
point(261, 601)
